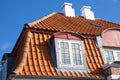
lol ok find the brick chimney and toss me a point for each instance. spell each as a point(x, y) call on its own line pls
point(87, 13)
point(68, 10)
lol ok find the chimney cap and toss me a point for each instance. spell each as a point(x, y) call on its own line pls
point(85, 7)
point(65, 3)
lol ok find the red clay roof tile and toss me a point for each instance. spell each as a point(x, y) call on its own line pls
point(32, 50)
point(40, 63)
point(59, 22)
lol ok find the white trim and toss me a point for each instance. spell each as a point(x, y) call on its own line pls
point(116, 77)
point(98, 42)
point(71, 66)
point(114, 54)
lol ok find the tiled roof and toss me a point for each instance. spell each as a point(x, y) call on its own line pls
point(59, 22)
point(35, 58)
point(32, 50)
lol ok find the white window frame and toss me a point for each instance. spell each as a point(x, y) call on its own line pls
point(70, 66)
point(114, 54)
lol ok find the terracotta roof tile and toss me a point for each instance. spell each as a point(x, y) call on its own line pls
point(32, 50)
point(26, 68)
point(59, 22)
point(39, 73)
point(37, 60)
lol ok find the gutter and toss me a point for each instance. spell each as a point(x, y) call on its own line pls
point(37, 77)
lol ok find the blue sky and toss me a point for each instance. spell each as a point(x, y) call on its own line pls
point(15, 13)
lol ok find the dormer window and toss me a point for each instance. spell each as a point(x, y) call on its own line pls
point(111, 45)
point(69, 53)
point(112, 55)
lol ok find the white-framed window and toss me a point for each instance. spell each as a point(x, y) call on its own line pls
point(112, 55)
point(70, 54)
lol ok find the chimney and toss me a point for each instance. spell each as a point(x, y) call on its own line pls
point(87, 13)
point(68, 10)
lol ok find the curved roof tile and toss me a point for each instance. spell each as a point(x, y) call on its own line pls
point(32, 51)
point(37, 60)
point(59, 22)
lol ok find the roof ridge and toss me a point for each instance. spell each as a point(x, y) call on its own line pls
point(43, 18)
point(107, 21)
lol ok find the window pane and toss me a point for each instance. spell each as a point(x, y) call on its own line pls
point(73, 45)
point(65, 44)
point(76, 54)
point(61, 44)
point(118, 55)
point(109, 55)
point(77, 51)
point(64, 47)
point(77, 46)
point(66, 50)
point(62, 50)
point(73, 50)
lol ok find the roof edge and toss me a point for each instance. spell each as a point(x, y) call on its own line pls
point(52, 77)
point(6, 55)
point(23, 31)
point(108, 21)
point(41, 19)
point(113, 28)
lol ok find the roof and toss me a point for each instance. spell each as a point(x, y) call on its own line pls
point(32, 50)
point(35, 58)
point(59, 22)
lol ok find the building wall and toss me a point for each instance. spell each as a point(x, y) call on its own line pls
point(114, 71)
point(10, 65)
point(3, 70)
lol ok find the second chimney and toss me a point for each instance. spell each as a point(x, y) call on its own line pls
point(87, 13)
point(68, 10)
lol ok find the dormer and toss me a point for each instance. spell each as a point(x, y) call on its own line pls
point(67, 51)
point(111, 44)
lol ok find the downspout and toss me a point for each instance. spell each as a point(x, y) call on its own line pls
point(105, 72)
